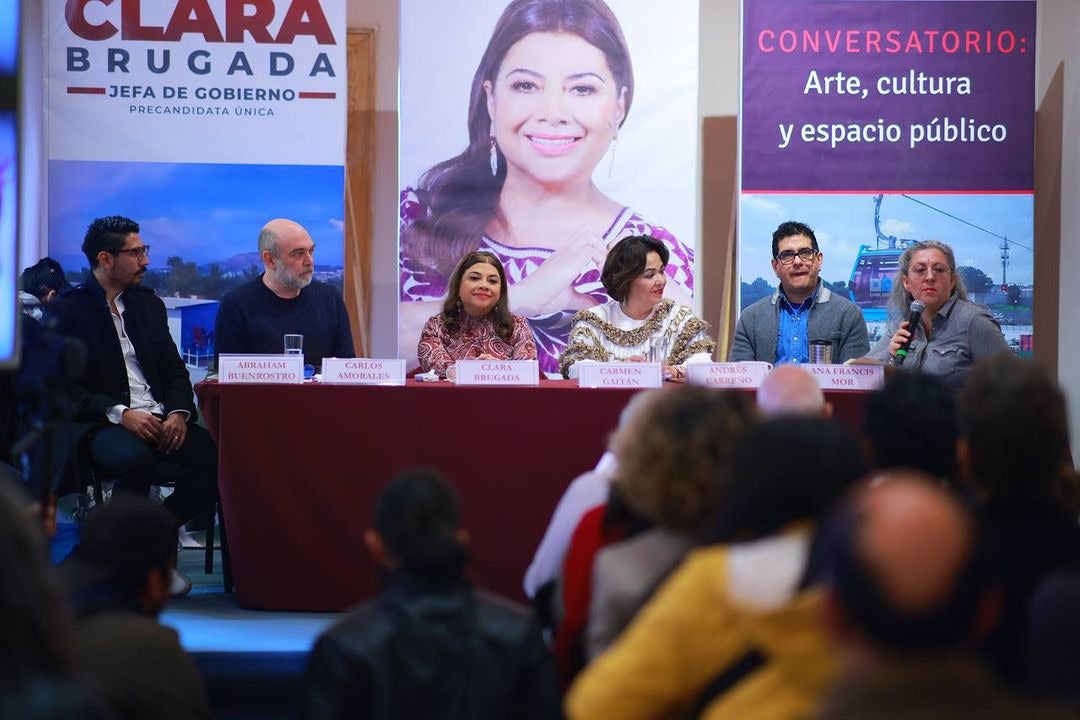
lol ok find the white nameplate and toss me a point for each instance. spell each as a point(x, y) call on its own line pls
point(497, 372)
point(363, 371)
point(620, 375)
point(848, 377)
point(727, 374)
point(261, 369)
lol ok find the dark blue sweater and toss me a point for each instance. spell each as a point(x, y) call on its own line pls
point(252, 319)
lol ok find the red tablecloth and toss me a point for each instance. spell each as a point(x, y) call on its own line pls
point(300, 465)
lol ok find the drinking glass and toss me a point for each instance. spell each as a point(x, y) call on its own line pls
point(294, 344)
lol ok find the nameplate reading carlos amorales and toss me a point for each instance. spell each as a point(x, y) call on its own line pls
point(620, 375)
point(363, 371)
point(497, 372)
point(261, 369)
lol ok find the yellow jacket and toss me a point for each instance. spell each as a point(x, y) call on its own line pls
point(723, 602)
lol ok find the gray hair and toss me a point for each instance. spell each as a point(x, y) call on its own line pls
point(268, 241)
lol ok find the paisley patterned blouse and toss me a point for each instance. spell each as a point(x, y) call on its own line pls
point(551, 330)
point(438, 349)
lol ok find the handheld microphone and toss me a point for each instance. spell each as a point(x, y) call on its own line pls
point(913, 322)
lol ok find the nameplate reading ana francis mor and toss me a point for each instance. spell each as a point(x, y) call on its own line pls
point(363, 371)
point(261, 369)
point(848, 377)
point(620, 375)
point(497, 372)
point(727, 374)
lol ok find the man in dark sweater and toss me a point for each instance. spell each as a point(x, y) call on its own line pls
point(254, 317)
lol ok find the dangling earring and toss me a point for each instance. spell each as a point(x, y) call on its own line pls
point(611, 156)
point(494, 156)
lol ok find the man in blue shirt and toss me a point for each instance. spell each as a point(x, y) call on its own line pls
point(780, 328)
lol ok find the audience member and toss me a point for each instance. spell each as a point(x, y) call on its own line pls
point(133, 398)
point(908, 599)
point(779, 328)
point(41, 283)
point(791, 390)
point(1053, 638)
point(911, 422)
point(672, 459)
point(475, 322)
point(119, 580)
point(285, 299)
point(735, 631)
point(1014, 452)
point(35, 634)
point(428, 646)
point(585, 492)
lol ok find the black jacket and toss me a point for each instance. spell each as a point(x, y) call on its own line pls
point(419, 651)
point(83, 312)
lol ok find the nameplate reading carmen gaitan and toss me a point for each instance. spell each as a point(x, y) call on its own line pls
point(620, 375)
point(261, 369)
point(497, 372)
point(363, 371)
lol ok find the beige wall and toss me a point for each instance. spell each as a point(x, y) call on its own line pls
point(1058, 23)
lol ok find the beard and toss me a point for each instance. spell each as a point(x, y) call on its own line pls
point(292, 280)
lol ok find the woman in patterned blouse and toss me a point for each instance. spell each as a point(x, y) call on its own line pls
point(638, 324)
point(475, 322)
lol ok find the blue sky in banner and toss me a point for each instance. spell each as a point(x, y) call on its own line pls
point(844, 222)
point(204, 213)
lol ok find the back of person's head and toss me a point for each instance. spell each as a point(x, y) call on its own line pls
point(120, 545)
point(1014, 429)
point(33, 624)
point(791, 390)
point(418, 522)
point(783, 471)
point(674, 451)
point(43, 277)
point(911, 422)
point(904, 567)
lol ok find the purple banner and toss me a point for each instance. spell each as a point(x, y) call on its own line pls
point(890, 96)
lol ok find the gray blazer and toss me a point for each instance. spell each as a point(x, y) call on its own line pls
point(832, 317)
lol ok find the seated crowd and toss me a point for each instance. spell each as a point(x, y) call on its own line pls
point(725, 558)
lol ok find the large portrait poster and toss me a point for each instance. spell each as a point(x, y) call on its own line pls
point(544, 132)
point(201, 121)
point(882, 123)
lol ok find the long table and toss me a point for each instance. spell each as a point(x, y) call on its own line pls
point(300, 466)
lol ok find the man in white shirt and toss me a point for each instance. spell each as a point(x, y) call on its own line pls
point(134, 396)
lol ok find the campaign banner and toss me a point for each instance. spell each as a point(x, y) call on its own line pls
point(887, 122)
point(544, 132)
point(201, 120)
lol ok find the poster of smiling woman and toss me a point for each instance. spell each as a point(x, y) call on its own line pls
point(544, 131)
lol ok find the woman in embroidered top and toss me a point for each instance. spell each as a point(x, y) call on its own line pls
point(639, 323)
point(475, 322)
point(552, 90)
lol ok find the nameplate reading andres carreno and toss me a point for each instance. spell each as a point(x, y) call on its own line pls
point(261, 369)
point(497, 372)
point(620, 375)
point(363, 371)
